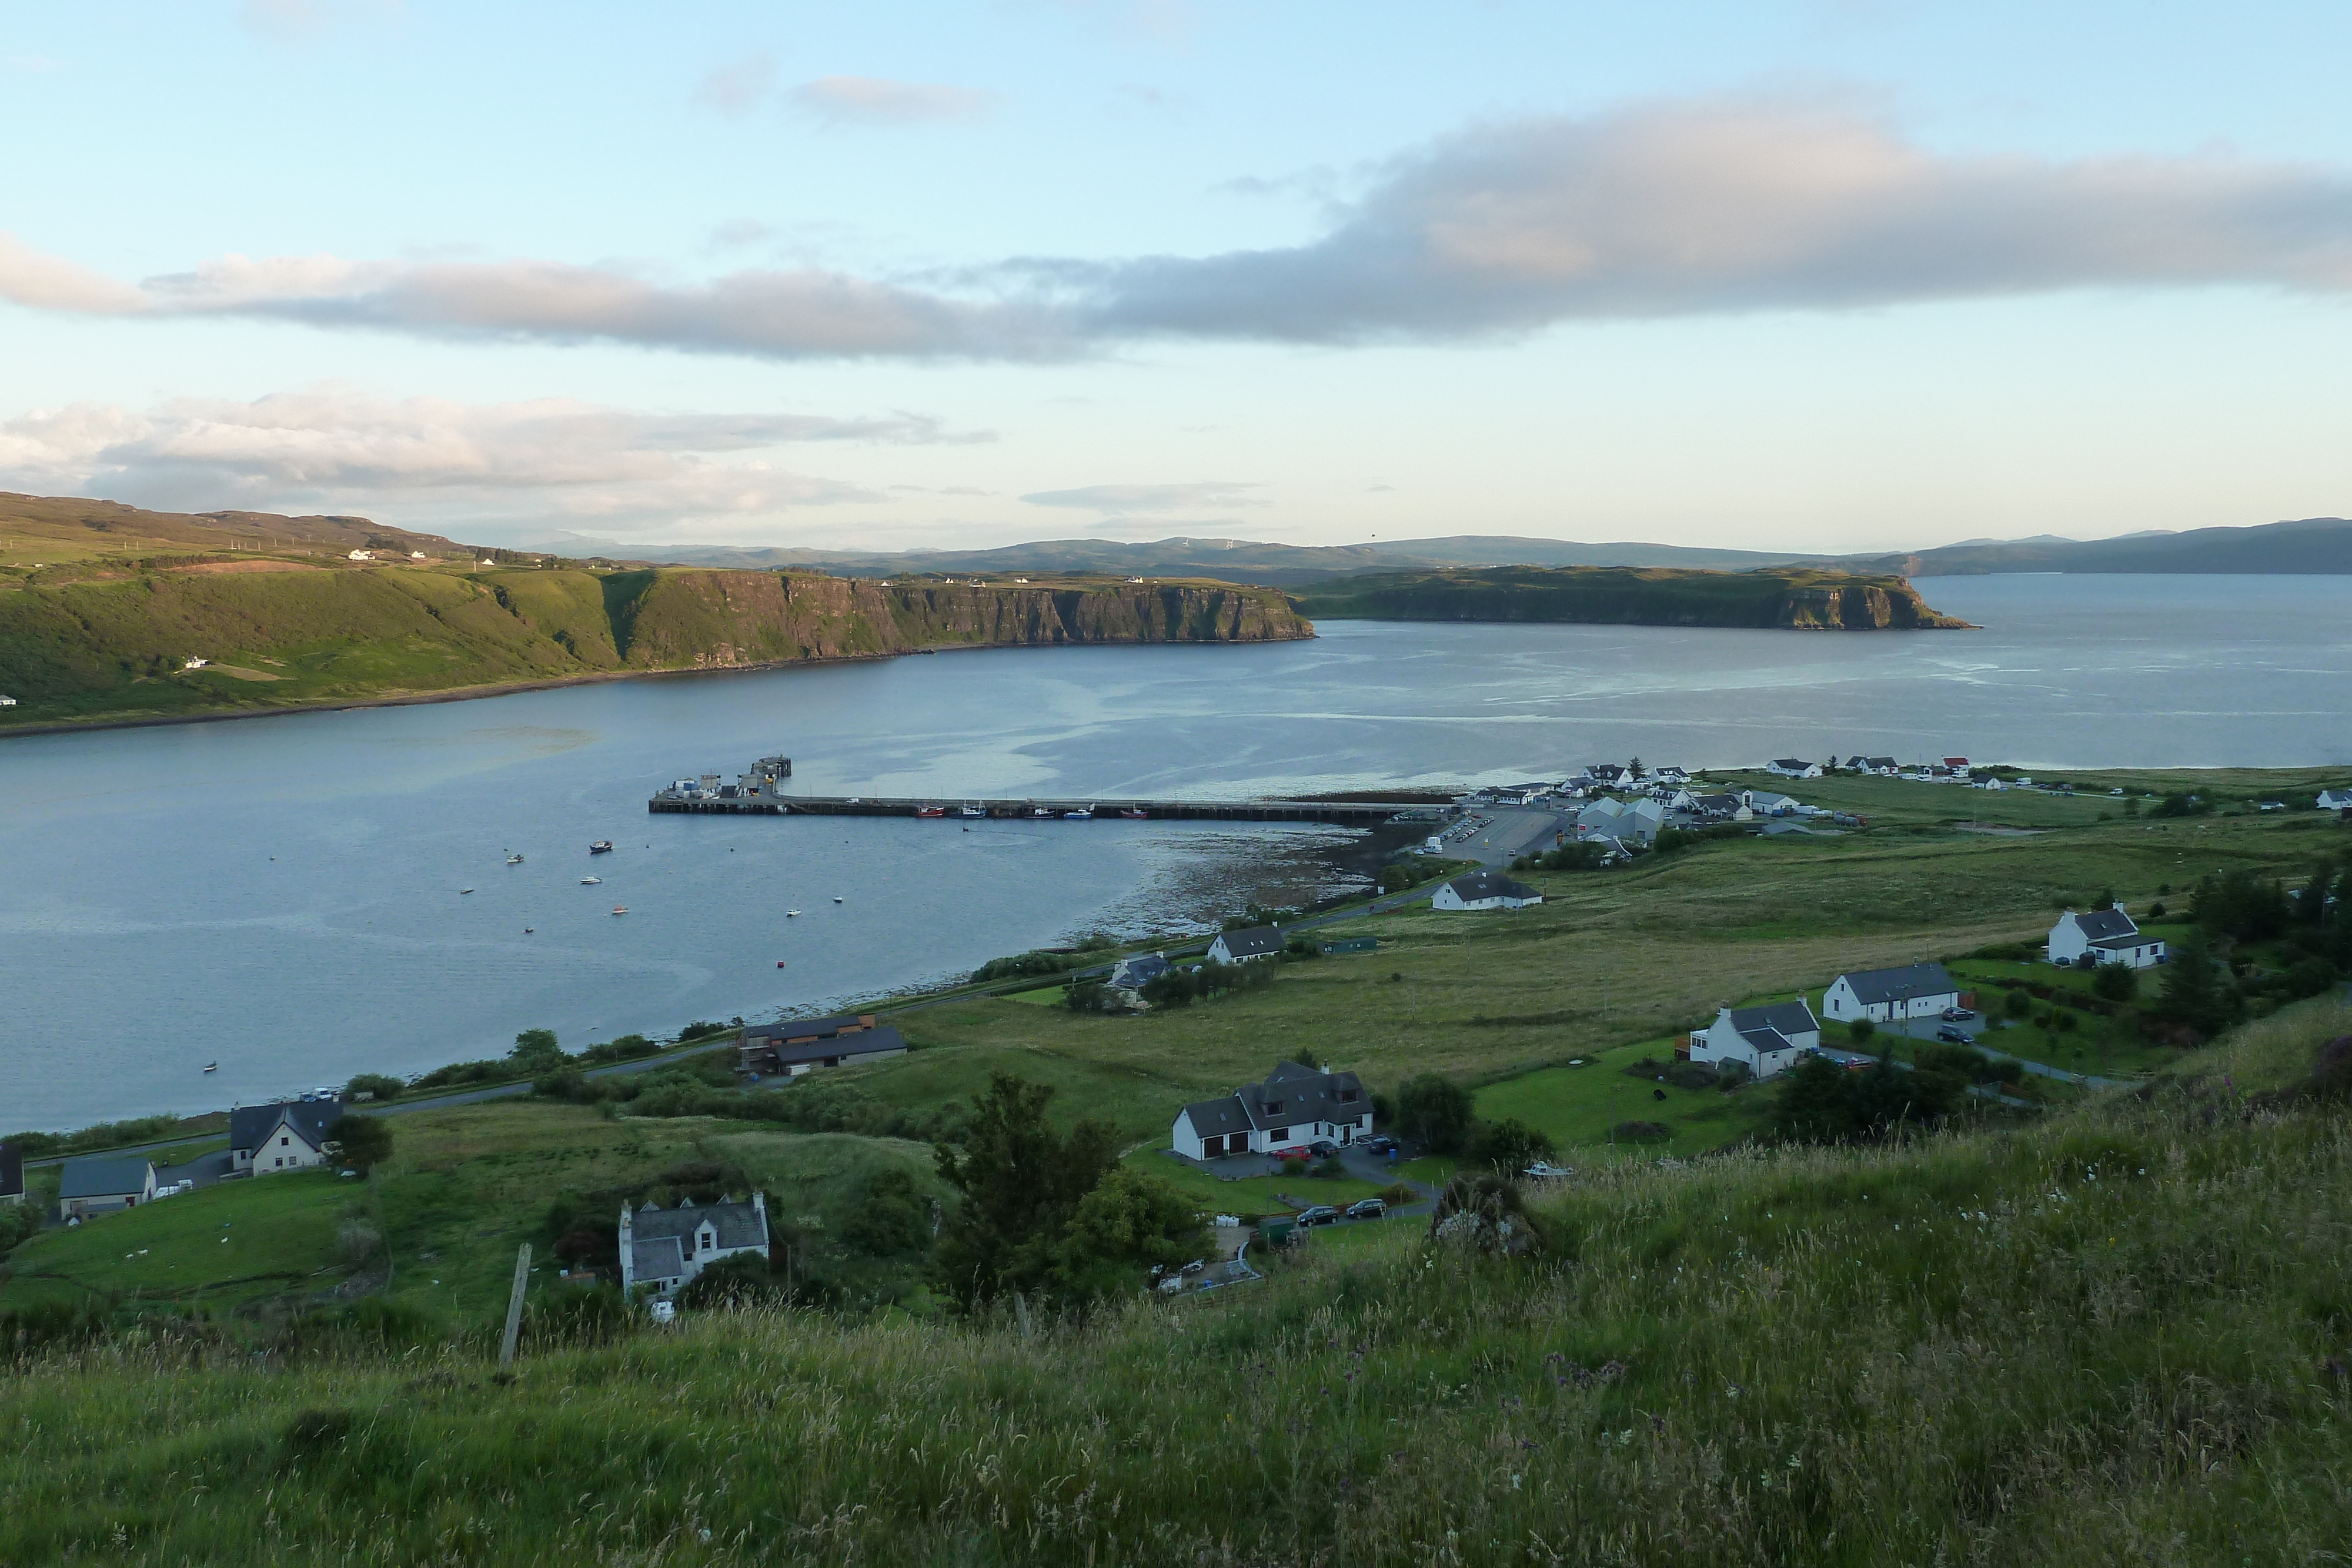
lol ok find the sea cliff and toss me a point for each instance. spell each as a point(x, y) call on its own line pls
point(1789, 599)
point(114, 644)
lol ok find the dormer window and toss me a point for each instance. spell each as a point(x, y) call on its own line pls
point(1274, 1107)
point(1347, 1096)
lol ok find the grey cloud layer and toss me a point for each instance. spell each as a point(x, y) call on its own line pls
point(1667, 211)
point(549, 456)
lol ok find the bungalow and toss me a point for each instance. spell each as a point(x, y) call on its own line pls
point(1296, 1106)
point(1764, 803)
point(1956, 764)
point(1764, 1039)
point(756, 1047)
point(1728, 808)
point(12, 1174)
point(1793, 767)
point(93, 1186)
point(1483, 890)
point(2105, 936)
point(2335, 800)
point(1134, 974)
point(1884, 995)
point(663, 1249)
point(265, 1140)
point(1670, 776)
point(1246, 946)
point(793, 1047)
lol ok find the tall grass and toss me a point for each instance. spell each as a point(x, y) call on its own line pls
point(2118, 1337)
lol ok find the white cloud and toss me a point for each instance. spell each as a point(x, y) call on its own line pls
point(872, 100)
point(738, 88)
point(423, 458)
point(1675, 209)
point(1118, 498)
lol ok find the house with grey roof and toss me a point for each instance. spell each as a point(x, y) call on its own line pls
point(663, 1249)
point(12, 1174)
point(1885, 996)
point(1483, 890)
point(1246, 946)
point(2104, 937)
point(1763, 1040)
point(1295, 1106)
point(1130, 976)
point(2335, 800)
point(89, 1188)
point(797, 1046)
point(270, 1140)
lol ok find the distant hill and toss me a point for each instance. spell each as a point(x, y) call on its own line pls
point(1788, 598)
point(2308, 545)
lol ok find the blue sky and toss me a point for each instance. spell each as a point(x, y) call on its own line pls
point(1839, 276)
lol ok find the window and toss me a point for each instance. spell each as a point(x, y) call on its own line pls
point(283, 1142)
point(1347, 1096)
point(1280, 1135)
point(1274, 1107)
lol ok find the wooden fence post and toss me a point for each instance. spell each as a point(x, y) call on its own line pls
point(514, 1307)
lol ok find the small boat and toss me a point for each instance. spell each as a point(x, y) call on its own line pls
point(212, 1067)
point(1080, 815)
point(620, 909)
point(792, 915)
point(971, 810)
point(836, 898)
point(527, 931)
point(930, 810)
point(464, 891)
point(1136, 814)
point(779, 963)
point(1040, 812)
point(591, 881)
point(514, 860)
point(601, 847)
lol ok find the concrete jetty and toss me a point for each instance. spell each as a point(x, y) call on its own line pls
point(1349, 814)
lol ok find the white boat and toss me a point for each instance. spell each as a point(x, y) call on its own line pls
point(792, 915)
point(212, 1067)
point(1081, 815)
point(836, 898)
point(620, 909)
point(514, 860)
point(591, 881)
point(971, 810)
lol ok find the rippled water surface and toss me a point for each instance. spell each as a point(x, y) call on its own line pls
point(282, 894)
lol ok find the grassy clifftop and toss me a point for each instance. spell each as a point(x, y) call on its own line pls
point(2118, 1336)
point(1790, 598)
point(111, 641)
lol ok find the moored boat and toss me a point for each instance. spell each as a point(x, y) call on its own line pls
point(1080, 815)
point(514, 860)
point(968, 810)
point(930, 810)
point(591, 881)
point(601, 847)
point(620, 909)
point(1136, 814)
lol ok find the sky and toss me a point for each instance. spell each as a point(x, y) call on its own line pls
point(1841, 275)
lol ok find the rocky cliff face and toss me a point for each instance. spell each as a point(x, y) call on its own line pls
point(1793, 599)
point(712, 619)
point(1859, 607)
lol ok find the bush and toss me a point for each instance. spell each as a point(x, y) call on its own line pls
point(1397, 1194)
point(1506, 1145)
point(2116, 982)
point(2020, 1003)
point(1860, 1031)
point(2066, 1022)
point(1294, 1166)
point(1436, 1112)
point(891, 1219)
point(741, 1281)
point(1040, 961)
point(380, 1085)
point(1330, 1165)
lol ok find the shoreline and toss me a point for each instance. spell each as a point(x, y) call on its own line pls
point(595, 677)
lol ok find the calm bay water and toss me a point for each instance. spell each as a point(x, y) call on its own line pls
point(282, 894)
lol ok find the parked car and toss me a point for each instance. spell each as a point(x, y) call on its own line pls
point(1321, 1214)
point(1958, 1015)
point(1954, 1036)
point(1196, 1265)
point(1379, 1146)
point(1367, 1208)
point(1322, 1149)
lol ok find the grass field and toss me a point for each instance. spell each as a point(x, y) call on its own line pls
point(215, 1247)
point(2113, 1337)
point(1252, 1195)
point(1577, 1106)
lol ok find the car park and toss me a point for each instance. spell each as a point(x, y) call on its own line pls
point(1321, 1214)
point(1367, 1208)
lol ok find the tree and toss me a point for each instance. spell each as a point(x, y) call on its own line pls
point(366, 1141)
point(743, 1280)
point(1436, 1112)
point(1507, 1144)
point(2196, 991)
point(1020, 1182)
point(1131, 1221)
point(2116, 982)
point(891, 1219)
point(378, 1085)
point(2020, 1003)
point(1860, 1031)
point(535, 1051)
point(2106, 899)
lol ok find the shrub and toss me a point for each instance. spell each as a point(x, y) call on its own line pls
point(1397, 1194)
point(2116, 982)
point(1860, 1031)
point(1330, 1165)
point(1294, 1166)
point(381, 1085)
point(2156, 910)
point(1507, 1145)
point(2064, 1021)
point(1436, 1112)
point(2020, 1003)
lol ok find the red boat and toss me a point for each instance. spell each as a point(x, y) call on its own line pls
point(1136, 814)
point(930, 810)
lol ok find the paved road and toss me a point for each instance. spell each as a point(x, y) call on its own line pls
point(1976, 1028)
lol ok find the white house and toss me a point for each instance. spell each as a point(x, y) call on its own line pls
point(95, 1187)
point(1764, 1039)
point(664, 1248)
point(1794, 768)
point(2109, 936)
point(1635, 819)
point(2335, 800)
point(1884, 995)
point(266, 1140)
point(1246, 946)
point(1297, 1105)
point(1764, 803)
point(362, 555)
point(1485, 890)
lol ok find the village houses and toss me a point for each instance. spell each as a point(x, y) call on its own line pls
point(1889, 995)
point(2104, 937)
point(265, 1140)
point(1764, 1039)
point(663, 1249)
point(1296, 1106)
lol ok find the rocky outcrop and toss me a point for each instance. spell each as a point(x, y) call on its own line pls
point(1792, 599)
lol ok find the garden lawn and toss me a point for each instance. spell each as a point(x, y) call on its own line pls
point(1252, 1195)
point(1577, 1106)
point(218, 1246)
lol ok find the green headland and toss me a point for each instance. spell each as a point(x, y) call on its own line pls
point(1788, 598)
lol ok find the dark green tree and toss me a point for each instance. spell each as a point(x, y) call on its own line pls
point(1860, 1031)
point(2197, 991)
point(1020, 1183)
point(2116, 982)
point(366, 1141)
point(892, 1218)
point(743, 1279)
point(1507, 1145)
point(1436, 1112)
point(1131, 1221)
point(535, 1051)
point(381, 1085)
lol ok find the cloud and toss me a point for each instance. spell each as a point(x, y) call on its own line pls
point(295, 21)
point(1148, 498)
point(871, 100)
point(1670, 210)
point(541, 458)
point(738, 88)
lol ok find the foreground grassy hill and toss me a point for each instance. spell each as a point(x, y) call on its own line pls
point(111, 641)
point(2118, 1336)
point(1784, 597)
